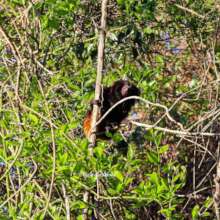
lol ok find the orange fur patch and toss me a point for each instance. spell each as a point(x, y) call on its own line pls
point(87, 125)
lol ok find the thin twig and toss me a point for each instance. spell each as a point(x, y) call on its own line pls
point(13, 48)
point(17, 154)
point(181, 133)
point(190, 11)
point(21, 188)
point(53, 168)
point(145, 101)
point(53, 149)
point(67, 205)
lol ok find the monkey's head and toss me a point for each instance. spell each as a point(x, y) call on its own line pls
point(123, 89)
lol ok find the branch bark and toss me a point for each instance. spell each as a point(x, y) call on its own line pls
point(100, 63)
point(216, 196)
point(98, 90)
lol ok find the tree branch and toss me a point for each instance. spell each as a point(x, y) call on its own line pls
point(101, 47)
point(98, 90)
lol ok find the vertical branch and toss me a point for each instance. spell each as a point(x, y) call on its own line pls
point(101, 47)
point(66, 200)
point(98, 90)
point(216, 197)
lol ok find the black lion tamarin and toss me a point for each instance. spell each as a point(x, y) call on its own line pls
point(111, 95)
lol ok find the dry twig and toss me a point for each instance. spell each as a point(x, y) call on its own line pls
point(96, 107)
point(190, 11)
point(216, 196)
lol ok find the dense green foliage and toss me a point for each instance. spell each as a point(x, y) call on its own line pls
point(48, 58)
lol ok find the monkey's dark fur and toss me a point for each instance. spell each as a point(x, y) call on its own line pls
point(111, 95)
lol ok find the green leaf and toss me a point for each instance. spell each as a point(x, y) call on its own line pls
point(119, 187)
point(118, 175)
point(148, 30)
point(195, 212)
point(153, 157)
point(80, 217)
point(33, 118)
point(78, 205)
point(154, 178)
point(160, 59)
point(19, 2)
point(163, 149)
point(130, 153)
point(99, 151)
point(208, 201)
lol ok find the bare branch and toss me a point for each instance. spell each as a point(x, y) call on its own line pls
point(190, 11)
point(96, 107)
point(101, 47)
point(216, 196)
